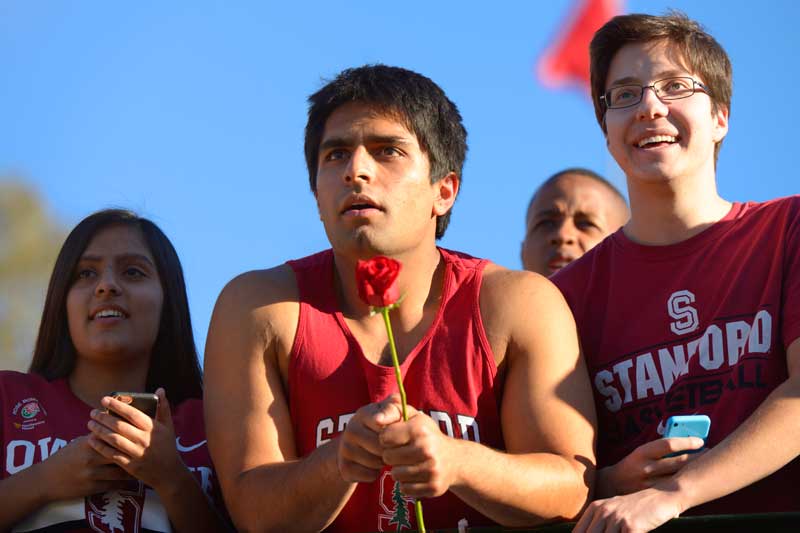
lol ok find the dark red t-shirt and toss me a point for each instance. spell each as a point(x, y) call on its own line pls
point(40, 417)
point(698, 327)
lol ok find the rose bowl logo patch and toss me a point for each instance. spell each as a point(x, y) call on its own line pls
point(29, 410)
point(28, 413)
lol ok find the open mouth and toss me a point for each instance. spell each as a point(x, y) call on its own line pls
point(107, 314)
point(656, 141)
point(558, 262)
point(359, 205)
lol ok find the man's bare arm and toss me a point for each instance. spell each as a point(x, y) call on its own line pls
point(547, 416)
point(547, 412)
point(250, 436)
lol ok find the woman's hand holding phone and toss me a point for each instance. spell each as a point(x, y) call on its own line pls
point(145, 402)
point(143, 446)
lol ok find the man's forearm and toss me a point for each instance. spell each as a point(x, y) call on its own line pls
point(521, 489)
point(603, 484)
point(764, 443)
point(188, 508)
point(300, 495)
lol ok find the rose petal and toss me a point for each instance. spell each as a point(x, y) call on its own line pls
point(376, 280)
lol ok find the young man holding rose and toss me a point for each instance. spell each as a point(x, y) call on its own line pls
point(693, 307)
point(304, 421)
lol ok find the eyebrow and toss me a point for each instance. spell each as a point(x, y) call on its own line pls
point(340, 142)
point(561, 214)
point(548, 213)
point(122, 257)
point(630, 80)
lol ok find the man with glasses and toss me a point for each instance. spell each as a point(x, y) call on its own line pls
point(693, 307)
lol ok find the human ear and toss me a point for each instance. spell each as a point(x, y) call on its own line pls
point(446, 190)
point(720, 117)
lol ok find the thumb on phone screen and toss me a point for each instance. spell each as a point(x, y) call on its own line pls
point(163, 414)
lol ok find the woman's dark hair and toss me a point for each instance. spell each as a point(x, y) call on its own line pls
point(173, 361)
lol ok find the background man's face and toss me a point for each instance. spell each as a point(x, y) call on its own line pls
point(566, 219)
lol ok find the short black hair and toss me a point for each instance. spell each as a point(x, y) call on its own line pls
point(580, 171)
point(173, 363)
point(413, 98)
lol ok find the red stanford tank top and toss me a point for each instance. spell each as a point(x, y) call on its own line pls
point(450, 375)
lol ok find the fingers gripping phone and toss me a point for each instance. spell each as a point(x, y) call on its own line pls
point(687, 426)
point(146, 402)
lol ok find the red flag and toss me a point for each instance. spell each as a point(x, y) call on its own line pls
point(566, 61)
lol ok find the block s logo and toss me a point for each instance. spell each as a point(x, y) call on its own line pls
point(679, 308)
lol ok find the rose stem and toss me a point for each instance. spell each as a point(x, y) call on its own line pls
point(399, 376)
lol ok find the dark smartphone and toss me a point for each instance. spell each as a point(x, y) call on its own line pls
point(146, 402)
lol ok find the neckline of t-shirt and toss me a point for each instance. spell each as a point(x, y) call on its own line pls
point(654, 253)
point(70, 394)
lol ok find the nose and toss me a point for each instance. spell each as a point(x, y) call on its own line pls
point(651, 106)
point(563, 233)
point(360, 166)
point(107, 284)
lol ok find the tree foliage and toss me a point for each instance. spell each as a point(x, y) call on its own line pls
point(29, 242)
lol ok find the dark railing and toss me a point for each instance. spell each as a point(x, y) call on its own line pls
point(767, 522)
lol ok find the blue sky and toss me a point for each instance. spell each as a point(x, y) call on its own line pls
point(192, 113)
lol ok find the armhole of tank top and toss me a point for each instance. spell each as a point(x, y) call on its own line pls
point(299, 337)
point(476, 313)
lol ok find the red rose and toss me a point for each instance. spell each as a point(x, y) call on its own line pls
point(377, 286)
point(376, 279)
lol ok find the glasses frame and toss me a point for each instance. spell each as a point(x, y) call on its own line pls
point(605, 97)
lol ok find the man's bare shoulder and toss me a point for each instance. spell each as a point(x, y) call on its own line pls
point(518, 306)
point(260, 295)
point(504, 290)
point(258, 288)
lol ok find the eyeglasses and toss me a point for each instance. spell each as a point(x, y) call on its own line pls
point(667, 89)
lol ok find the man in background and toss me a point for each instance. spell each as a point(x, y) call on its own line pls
point(568, 215)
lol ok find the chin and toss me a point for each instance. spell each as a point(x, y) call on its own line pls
point(360, 245)
point(652, 174)
point(113, 351)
